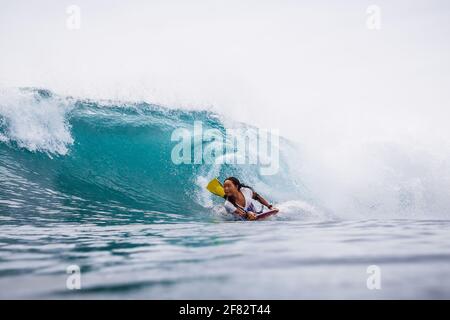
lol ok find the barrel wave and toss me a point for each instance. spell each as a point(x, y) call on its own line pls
point(110, 162)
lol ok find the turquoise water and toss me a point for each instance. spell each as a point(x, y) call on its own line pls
point(92, 184)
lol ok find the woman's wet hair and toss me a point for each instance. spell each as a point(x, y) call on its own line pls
point(237, 183)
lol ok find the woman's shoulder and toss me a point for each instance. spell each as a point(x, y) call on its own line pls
point(227, 202)
point(229, 206)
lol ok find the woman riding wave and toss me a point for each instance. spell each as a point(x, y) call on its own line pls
point(240, 199)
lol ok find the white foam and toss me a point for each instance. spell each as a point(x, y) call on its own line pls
point(299, 209)
point(33, 122)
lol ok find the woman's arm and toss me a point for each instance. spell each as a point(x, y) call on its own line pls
point(246, 215)
point(263, 201)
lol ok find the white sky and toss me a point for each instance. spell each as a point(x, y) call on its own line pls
point(310, 68)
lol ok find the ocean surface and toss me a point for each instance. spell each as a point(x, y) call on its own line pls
point(91, 184)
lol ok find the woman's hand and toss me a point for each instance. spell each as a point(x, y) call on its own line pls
point(251, 215)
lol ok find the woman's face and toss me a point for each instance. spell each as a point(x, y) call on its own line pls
point(229, 188)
